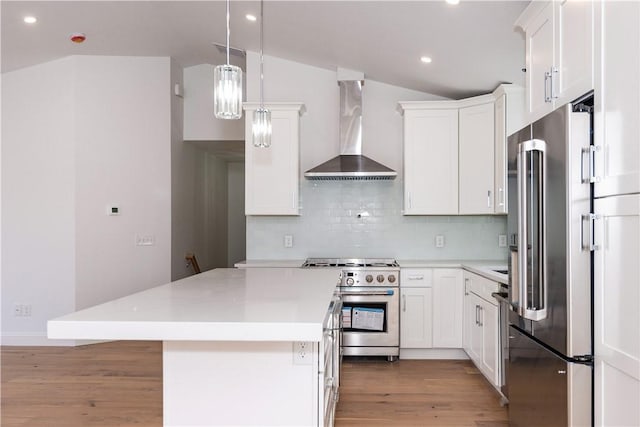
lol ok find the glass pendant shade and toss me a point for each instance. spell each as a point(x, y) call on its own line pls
point(227, 102)
point(261, 128)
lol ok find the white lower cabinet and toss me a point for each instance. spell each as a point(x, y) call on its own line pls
point(481, 339)
point(617, 320)
point(415, 318)
point(431, 308)
point(448, 291)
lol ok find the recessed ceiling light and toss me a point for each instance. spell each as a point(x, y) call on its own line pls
point(30, 19)
point(251, 17)
point(425, 59)
point(453, 1)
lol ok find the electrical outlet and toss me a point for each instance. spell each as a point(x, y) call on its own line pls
point(302, 353)
point(22, 310)
point(288, 241)
point(502, 240)
point(439, 241)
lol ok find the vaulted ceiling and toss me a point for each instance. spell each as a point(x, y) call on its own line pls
point(473, 45)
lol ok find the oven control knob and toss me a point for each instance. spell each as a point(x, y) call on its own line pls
point(380, 278)
point(350, 281)
point(391, 278)
point(369, 278)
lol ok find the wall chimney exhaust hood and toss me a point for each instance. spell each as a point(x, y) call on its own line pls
point(350, 164)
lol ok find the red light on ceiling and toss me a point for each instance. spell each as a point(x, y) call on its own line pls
point(77, 37)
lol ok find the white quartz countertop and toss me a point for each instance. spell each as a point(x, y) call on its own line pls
point(483, 268)
point(266, 263)
point(254, 304)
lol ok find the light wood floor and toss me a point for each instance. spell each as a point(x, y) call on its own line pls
point(120, 384)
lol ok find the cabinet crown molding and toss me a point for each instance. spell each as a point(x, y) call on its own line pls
point(276, 106)
point(527, 15)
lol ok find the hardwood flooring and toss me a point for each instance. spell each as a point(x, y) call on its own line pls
point(417, 393)
point(102, 385)
point(120, 384)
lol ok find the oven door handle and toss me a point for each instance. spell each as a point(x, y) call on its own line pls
point(386, 292)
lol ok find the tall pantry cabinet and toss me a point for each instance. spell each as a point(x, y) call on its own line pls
point(617, 209)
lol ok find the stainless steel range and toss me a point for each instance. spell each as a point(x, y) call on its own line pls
point(370, 292)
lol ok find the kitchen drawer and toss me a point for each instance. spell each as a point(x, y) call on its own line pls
point(480, 286)
point(416, 277)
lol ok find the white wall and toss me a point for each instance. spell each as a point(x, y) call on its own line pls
point(38, 197)
point(123, 134)
point(215, 213)
point(237, 221)
point(82, 133)
point(199, 122)
point(185, 166)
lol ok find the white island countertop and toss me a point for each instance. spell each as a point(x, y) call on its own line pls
point(255, 304)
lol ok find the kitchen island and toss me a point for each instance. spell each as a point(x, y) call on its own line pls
point(240, 347)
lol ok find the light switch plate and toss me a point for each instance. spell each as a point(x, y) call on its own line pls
point(502, 240)
point(288, 241)
point(439, 241)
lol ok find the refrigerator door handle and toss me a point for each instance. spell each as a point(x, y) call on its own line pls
point(532, 187)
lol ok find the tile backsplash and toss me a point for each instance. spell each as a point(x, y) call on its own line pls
point(364, 219)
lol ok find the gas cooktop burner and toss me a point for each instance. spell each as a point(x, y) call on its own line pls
point(351, 262)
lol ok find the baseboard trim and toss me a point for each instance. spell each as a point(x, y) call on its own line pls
point(433, 353)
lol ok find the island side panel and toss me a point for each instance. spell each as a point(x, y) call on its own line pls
point(238, 383)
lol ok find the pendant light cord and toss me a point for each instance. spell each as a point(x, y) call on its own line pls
point(228, 31)
point(261, 55)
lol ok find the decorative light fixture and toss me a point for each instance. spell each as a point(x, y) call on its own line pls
point(30, 19)
point(426, 59)
point(227, 86)
point(261, 128)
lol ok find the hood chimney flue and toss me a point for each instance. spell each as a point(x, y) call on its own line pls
point(350, 164)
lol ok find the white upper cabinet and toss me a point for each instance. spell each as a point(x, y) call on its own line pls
point(430, 160)
point(574, 49)
point(617, 99)
point(500, 155)
point(539, 62)
point(559, 53)
point(508, 118)
point(455, 152)
point(272, 174)
point(476, 159)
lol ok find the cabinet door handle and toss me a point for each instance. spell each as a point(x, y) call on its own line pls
point(489, 198)
point(480, 321)
point(588, 174)
point(547, 77)
point(477, 321)
point(554, 77)
point(466, 286)
point(500, 196)
point(590, 220)
point(404, 303)
point(409, 199)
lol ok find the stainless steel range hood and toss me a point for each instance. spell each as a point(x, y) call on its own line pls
point(351, 164)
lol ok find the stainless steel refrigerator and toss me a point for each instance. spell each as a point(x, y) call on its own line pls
point(549, 373)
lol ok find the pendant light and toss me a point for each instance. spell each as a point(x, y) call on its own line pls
point(261, 128)
point(227, 86)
